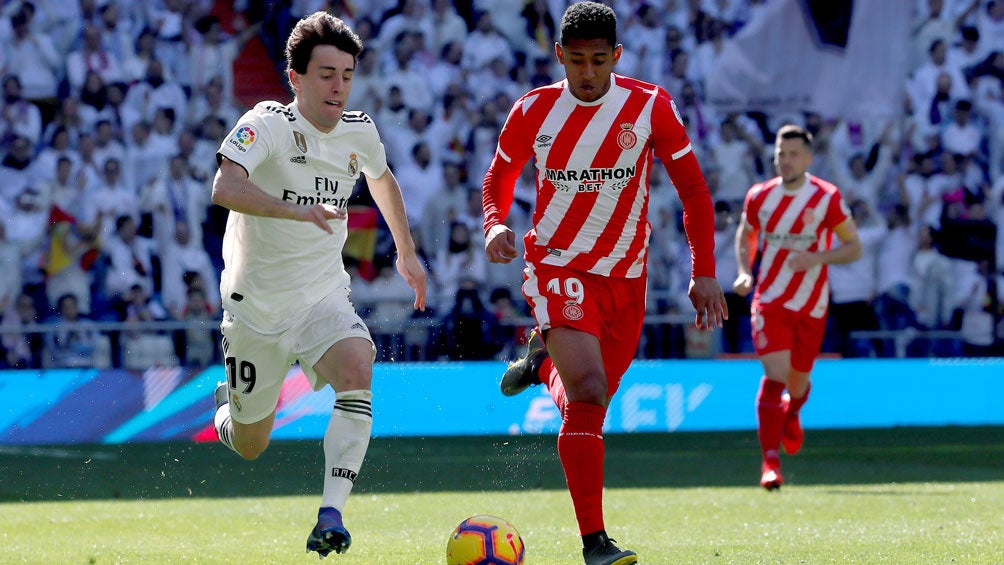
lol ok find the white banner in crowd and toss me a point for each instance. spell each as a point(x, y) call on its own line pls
point(840, 58)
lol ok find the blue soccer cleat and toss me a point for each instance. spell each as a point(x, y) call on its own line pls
point(329, 534)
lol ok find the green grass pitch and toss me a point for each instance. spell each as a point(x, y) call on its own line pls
point(903, 495)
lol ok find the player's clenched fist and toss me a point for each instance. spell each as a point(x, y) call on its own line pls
point(500, 244)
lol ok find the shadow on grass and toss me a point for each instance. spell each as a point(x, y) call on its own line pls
point(487, 463)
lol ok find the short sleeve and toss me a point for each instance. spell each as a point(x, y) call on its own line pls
point(376, 165)
point(249, 143)
point(838, 211)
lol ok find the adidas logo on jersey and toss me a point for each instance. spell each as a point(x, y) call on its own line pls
point(298, 159)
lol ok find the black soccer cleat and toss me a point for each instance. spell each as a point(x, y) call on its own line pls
point(605, 552)
point(522, 373)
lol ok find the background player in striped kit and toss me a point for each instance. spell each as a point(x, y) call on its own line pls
point(798, 214)
point(593, 137)
point(286, 172)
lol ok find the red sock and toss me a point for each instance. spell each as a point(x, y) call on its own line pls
point(770, 418)
point(795, 404)
point(580, 448)
point(549, 376)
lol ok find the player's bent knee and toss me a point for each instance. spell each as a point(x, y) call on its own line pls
point(252, 449)
point(348, 365)
point(249, 443)
point(587, 390)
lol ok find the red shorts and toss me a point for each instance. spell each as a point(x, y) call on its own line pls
point(612, 309)
point(775, 328)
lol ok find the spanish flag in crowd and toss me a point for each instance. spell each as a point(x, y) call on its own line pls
point(361, 242)
point(58, 257)
point(62, 250)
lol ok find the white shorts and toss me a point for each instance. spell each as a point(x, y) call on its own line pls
point(256, 364)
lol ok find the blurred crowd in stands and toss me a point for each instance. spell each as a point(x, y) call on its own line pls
point(112, 112)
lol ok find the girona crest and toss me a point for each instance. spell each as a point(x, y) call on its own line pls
point(627, 138)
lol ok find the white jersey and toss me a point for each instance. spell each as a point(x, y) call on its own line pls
point(276, 268)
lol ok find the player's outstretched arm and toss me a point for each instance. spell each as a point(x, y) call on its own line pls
point(234, 190)
point(386, 193)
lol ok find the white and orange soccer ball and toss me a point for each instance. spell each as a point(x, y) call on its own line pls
point(485, 540)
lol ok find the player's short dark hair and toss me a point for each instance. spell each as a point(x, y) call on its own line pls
point(791, 131)
point(319, 28)
point(589, 20)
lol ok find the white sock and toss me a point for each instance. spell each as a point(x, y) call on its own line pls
point(345, 444)
point(224, 426)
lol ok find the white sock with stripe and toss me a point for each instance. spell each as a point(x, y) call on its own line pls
point(345, 444)
point(224, 426)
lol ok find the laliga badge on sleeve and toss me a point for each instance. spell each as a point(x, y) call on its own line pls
point(243, 138)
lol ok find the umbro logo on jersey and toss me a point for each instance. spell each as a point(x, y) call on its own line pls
point(298, 159)
point(543, 140)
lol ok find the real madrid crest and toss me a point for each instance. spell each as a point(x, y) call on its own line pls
point(353, 164)
point(301, 141)
point(627, 138)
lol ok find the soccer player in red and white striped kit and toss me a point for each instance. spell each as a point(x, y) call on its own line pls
point(798, 213)
point(593, 137)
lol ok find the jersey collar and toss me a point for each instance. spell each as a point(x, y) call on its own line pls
point(294, 107)
point(798, 188)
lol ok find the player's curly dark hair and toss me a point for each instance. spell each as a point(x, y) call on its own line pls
point(589, 20)
point(319, 28)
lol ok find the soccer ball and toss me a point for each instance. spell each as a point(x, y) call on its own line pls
point(485, 540)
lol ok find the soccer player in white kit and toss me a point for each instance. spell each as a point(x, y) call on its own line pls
point(286, 173)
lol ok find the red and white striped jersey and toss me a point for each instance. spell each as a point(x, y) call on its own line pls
point(794, 220)
point(593, 163)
